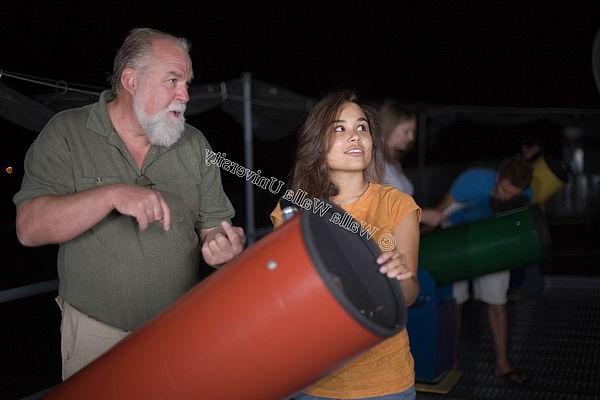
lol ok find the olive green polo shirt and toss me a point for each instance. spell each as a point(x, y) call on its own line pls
point(114, 272)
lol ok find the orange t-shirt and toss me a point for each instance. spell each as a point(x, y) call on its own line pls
point(388, 367)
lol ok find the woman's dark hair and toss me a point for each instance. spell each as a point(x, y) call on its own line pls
point(310, 172)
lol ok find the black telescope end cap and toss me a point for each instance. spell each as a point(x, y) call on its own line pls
point(346, 261)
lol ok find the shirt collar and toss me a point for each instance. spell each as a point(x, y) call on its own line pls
point(98, 120)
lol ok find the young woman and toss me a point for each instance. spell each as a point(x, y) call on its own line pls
point(339, 159)
point(399, 127)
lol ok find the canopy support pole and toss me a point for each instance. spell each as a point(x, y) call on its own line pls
point(248, 156)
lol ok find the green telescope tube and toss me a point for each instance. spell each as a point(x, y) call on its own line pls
point(513, 239)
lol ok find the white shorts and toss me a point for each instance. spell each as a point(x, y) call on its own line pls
point(490, 288)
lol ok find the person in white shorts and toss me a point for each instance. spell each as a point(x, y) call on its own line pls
point(476, 194)
point(490, 289)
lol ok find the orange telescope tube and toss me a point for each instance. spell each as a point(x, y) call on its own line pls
point(298, 304)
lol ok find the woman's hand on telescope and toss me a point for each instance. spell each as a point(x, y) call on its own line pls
point(393, 264)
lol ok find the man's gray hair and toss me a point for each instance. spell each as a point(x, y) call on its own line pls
point(134, 50)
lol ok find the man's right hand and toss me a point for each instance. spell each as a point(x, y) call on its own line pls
point(51, 219)
point(144, 204)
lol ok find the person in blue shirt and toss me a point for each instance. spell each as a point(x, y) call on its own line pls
point(479, 193)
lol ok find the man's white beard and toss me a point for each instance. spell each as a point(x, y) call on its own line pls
point(161, 129)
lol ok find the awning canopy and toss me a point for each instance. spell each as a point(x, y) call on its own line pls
point(276, 111)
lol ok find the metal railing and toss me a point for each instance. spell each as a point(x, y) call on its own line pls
point(28, 290)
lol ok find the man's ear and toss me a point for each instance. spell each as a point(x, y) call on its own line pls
point(129, 80)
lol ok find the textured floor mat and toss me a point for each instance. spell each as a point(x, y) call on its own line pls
point(554, 340)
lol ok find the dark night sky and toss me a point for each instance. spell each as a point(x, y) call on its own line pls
point(500, 53)
point(497, 53)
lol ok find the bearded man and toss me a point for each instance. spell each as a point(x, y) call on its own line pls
point(121, 185)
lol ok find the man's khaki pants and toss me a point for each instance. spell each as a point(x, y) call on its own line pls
point(83, 338)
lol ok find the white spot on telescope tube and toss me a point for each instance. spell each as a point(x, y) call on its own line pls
point(271, 265)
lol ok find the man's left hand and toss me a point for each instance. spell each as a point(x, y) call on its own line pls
point(222, 243)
